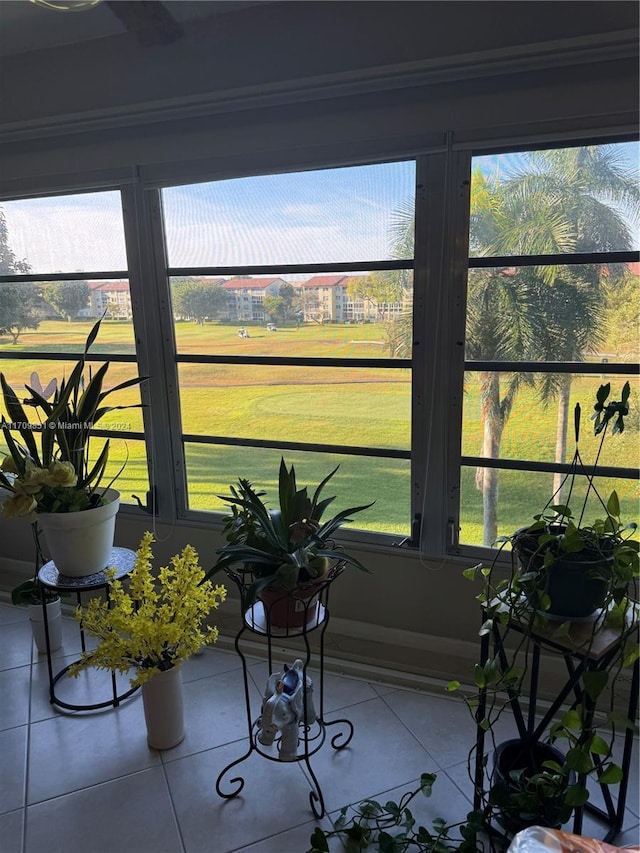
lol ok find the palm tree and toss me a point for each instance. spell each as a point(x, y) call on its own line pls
point(564, 201)
point(573, 200)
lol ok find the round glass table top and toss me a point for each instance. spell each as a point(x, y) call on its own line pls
point(122, 560)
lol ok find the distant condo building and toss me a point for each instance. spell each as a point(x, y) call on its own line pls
point(246, 298)
point(110, 296)
point(320, 299)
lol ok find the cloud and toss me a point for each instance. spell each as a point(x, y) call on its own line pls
point(68, 234)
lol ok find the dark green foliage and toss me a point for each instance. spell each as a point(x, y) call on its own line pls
point(197, 300)
point(67, 297)
point(18, 308)
point(519, 606)
point(391, 828)
point(285, 546)
point(68, 419)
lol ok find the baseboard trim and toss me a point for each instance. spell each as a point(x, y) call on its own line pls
point(374, 653)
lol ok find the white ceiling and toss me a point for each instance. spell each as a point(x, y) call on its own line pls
point(26, 27)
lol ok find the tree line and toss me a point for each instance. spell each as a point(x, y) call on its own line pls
point(199, 301)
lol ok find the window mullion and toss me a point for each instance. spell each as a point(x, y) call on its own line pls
point(456, 288)
point(150, 303)
point(441, 220)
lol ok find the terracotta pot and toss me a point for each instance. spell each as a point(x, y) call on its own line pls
point(164, 709)
point(80, 543)
point(293, 609)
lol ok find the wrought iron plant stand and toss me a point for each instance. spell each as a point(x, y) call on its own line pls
point(122, 560)
point(291, 724)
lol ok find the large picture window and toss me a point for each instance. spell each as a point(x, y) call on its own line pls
point(335, 316)
point(290, 294)
point(552, 312)
point(63, 265)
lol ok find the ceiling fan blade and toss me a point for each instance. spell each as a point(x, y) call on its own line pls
point(67, 5)
point(148, 20)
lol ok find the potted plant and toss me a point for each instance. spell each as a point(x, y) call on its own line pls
point(30, 593)
point(567, 564)
point(58, 483)
point(149, 626)
point(283, 553)
point(536, 779)
point(529, 784)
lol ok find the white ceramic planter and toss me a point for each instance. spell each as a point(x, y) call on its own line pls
point(54, 622)
point(164, 709)
point(80, 543)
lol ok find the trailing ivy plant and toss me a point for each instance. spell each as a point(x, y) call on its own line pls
point(392, 828)
point(519, 606)
point(587, 745)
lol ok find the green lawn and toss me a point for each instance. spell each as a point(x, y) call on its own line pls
point(351, 406)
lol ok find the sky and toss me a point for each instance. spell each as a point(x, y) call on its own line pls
point(322, 216)
point(336, 215)
point(68, 233)
point(333, 215)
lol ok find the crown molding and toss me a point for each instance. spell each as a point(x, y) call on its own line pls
point(517, 59)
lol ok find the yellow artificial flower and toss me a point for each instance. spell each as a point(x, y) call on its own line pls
point(8, 465)
point(31, 482)
point(151, 623)
point(61, 474)
point(18, 506)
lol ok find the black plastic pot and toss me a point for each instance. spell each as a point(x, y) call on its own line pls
point(516, 755)
point(577, 584)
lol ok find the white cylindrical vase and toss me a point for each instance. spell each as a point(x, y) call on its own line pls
point(164, 708)
point(54, 624)
point(80, 543)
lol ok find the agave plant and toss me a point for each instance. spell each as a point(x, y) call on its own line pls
point(284, 547)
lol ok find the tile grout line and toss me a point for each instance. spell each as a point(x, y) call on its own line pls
point(173, 805)
point(414, 736)
point(386, 790)
point(28, 747)
point(31, 673)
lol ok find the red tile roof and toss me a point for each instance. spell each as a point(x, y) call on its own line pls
point(324, 281)
point(108, 286)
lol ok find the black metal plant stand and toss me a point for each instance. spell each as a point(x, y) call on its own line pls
point(580, 657)
point(122, 560)
point(313, 612)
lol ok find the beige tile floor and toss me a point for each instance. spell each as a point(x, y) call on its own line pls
point(88, 783)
